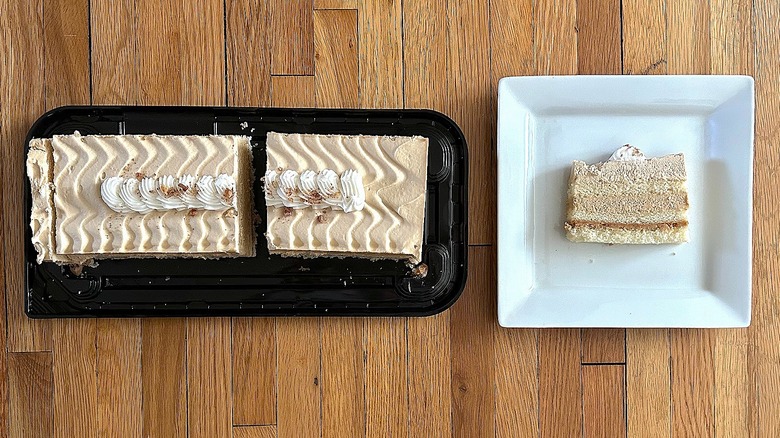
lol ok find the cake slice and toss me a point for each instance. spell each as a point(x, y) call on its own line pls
point(346, 195)
point(628, 199)
point(138, 196)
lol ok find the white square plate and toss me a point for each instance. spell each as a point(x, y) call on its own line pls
point(544, 123)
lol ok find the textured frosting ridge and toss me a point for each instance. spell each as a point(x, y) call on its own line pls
point(134, 170)
point(393, 171)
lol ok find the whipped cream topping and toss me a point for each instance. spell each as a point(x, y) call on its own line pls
point(167, 192)
point(627, 153)
point(317, 190)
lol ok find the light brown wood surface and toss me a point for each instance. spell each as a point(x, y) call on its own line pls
point(457, 373)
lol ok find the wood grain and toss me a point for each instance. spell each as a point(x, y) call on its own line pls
point(644, 37)
point(164, 377)
point(603, 395)
point(336, 52)
point(472, 322)
point(387, 402)
point(30, 395)
point(66, 35)
point(380, 54)
point(75, 377)
point(469, 56)
point(598, 37)
point(648, 390)
point(343, 378)
point(298, 363)
point(292, 44)
point(335, 4)
point(21, 102)
point(555, 37)
point(693, 383)
point(426, 76)
point(209, 401)
point(688, 48)
point(119, 378)
point(254, 432)
point(248, 53)
point(560, 398)
point(254, 371)
point(766, 319)
point(113, 61)
point(517, 382)
point(294, 91)
point(603, 346)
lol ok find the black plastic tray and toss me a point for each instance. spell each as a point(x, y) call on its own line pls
point(264, 285)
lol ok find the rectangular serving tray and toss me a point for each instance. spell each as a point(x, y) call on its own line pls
point(264, 285)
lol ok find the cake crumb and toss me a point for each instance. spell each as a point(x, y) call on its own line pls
point(420, 271)
point(139, 176)
point(76, 270)
point(304, 269)
point(230, 213)
point(287, 211)
point(244, 125)
point(192, 212)
point(321, 218)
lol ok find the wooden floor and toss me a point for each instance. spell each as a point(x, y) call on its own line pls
point(457, 373)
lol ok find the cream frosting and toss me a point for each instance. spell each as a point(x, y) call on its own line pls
point(317, 190)
point(627, 153)
point(167, 192)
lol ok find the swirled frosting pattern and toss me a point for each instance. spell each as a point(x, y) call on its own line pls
point(147, 194)
point(317, 190)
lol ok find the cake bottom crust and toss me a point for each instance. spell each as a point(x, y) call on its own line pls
point(340, 255)
point(627, 233)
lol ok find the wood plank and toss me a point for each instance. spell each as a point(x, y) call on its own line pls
point(736, 412)
point(163, 376)
point(598, 37)
point(66, 35)
point(119, 378)
point(335, 49)
point(516, 354)
point(342, 349)
point(114, 67)
point(75, 377)
point(766, 319)
point(560, 399)
point(469, 56)
point(603, 395)
point(428, 339)
point(30, 395)
point(209, 395)
point(22, 69)
point(292, 45)
point(688, 49)
point(648, 390)
point(387, 403)
point(425, 39)
point(430, 402)
point(381, 53)
point(343, 377)
point(555, 37)
point(254, 432)
point(335, 4)
point(298, 363)
point(472, 322)
point(254, 371)
point(644, 37)
point(195, 30)
point(293, 91)
point(248, 53)
point(603, 346)
point(693, 382)
point(517, 383)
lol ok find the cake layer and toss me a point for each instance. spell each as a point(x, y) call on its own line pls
point(85, 225)
point(587, 185)
point(650, 208)
point(393, 171)
point(668, 167)
point(628, 233)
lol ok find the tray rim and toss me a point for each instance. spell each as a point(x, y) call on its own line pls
point(461, 275)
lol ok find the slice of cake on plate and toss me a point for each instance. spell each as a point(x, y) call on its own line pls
point(137, 196)
point(346, 195)
point(628, 199)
